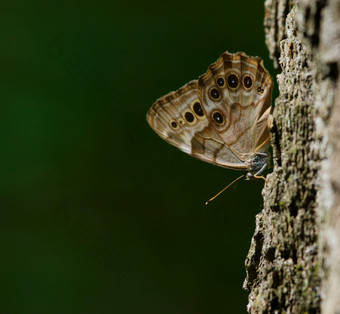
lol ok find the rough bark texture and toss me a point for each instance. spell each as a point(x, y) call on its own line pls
point(293, 264)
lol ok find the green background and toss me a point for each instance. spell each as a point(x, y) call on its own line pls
point(98, 214)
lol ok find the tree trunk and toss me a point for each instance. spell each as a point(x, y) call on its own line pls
point(293, 264)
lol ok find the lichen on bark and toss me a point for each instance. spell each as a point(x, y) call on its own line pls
point(287, 268)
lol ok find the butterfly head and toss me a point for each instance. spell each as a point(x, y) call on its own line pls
point(258, 163)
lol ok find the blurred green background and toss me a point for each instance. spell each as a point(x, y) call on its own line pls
point(98, 214)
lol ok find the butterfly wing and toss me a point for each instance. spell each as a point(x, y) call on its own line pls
point(222, 117)
point(180, 120)
point(236, 96)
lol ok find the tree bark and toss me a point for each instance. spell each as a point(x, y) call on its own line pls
point(293, 264)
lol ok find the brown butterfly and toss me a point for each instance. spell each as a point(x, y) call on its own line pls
point(222, 117)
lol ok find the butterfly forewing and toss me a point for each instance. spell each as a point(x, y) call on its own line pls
point(172, 118)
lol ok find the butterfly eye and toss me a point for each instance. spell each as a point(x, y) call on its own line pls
point(260, 89)
point(247, 82)
point(220, 81)
point(218, 117)
point(198, 109)
point(174, 125)
point(214, 93)
point(233, 81)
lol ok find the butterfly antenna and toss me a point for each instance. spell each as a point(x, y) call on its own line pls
point(206, 203)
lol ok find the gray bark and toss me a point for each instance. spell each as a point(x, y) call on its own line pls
point(293, 264)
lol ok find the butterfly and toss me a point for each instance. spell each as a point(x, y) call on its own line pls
point(221, 118)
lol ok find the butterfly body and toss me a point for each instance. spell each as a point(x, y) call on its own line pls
point(221, 118)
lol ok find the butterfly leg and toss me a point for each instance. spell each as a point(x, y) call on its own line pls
point(261, 177)
point(264, 143)
point(257, 175)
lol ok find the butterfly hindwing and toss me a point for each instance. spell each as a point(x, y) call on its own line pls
point(235, 93)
